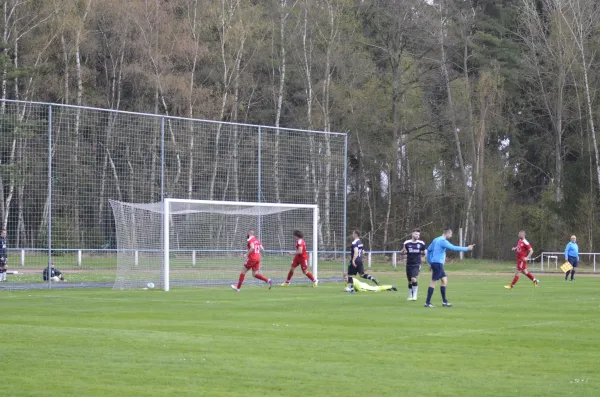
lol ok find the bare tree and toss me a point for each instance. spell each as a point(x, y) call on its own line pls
point(582, 18)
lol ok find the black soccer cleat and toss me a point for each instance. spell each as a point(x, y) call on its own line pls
point(394, 288)
point(375, 281)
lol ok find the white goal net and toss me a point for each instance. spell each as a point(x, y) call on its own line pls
point(182, 242)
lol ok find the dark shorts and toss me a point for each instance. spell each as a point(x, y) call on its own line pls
point(359, 269)
point(3, 262)
point(412, 271)
point(574, 261)
point(437, 271)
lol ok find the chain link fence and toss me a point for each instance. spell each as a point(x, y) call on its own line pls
point(60, 164)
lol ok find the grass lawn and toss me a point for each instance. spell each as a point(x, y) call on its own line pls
point(300, 341)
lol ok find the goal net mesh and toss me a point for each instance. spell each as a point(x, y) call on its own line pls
point(207, 242)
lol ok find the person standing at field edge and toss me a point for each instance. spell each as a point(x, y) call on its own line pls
point(572, 255)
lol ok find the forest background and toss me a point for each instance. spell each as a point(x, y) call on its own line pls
point(480, 115)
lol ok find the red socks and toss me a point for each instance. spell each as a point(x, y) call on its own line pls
point(241, 280)
point(515, 280)
point(310, 276)
point(530, 276)
point(290, 274)
point(261, 277)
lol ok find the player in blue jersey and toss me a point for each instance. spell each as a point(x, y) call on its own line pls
point(436, 256)
point(414, 249)
point(356, 262)
point(572, 255)
point(3, 256)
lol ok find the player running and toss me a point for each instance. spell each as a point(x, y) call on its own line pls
point(300, 259)
point(356, 263)
point(415, 250)
point(252, 262)
point(524, 252)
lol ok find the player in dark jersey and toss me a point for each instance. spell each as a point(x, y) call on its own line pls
point(415, 249)
point(55, 274)
point(356, 263)
point(3, 256)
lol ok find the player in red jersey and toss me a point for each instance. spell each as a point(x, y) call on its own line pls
point(524, 252)
point(252, 262)
point(300, 259)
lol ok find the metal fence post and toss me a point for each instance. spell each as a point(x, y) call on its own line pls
point(49, 192)
point(344, 231)
point(162, 159)
point(259, 182)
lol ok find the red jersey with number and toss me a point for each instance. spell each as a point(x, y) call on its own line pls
point(300, 243)
point(523, 248)
point(254, 256)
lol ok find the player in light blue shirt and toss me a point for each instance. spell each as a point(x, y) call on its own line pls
point(572, 255)
point(436, 256)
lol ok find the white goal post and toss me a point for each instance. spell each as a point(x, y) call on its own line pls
point(186, 242)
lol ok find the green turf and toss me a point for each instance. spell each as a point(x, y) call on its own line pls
point(300, 341)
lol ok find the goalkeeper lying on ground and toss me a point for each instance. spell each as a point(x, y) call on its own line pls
point(359, 286)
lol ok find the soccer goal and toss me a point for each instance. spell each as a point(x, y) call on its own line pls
point(181, 242)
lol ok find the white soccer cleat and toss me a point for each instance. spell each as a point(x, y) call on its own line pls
point(315, 283)
point(235, 288)
point(348, 289)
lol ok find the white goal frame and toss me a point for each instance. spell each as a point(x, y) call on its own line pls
point(166, 228)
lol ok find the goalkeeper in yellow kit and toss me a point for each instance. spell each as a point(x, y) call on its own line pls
point(359, 286)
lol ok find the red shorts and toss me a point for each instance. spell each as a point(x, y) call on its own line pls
point(299, 261)
point(521, 264)
point(252, 264)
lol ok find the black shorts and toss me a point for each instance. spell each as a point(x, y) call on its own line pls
point(359, 269)
point(3, 262)
point(574, 261)
point(412, 271)
point(437, 271)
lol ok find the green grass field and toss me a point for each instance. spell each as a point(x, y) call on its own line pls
point(300, 341)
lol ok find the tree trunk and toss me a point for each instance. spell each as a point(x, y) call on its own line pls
point(190, 182)
point(216, 151)
point(454, 124)
point(280, 92)
point(480, 187)
point(115, 175)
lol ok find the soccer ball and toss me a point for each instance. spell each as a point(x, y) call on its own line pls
point(55, 278)
point(150, 285)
